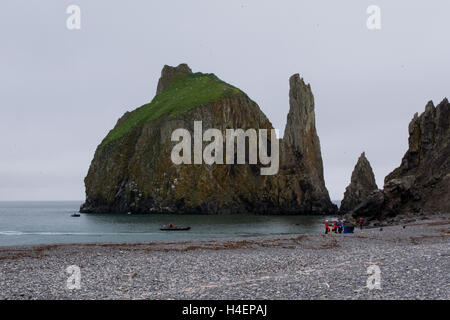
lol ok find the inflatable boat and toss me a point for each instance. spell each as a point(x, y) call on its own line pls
point(173, 228)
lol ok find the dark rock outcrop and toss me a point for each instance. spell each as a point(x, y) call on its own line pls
point(170, 74)
point(132, 169)
point(361, 185)
point(421, 185)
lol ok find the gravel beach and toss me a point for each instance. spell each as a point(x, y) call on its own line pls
point(414, 262)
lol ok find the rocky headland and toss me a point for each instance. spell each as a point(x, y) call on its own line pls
point(132, 169)
point(420, 186)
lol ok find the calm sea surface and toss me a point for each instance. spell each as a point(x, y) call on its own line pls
point(25, 223)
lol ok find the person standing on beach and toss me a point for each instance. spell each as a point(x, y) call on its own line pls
point(335, 227)
point(339, 226)
point(327, 227)
point(360, 223)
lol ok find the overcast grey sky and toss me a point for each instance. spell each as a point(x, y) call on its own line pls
point(61, 91)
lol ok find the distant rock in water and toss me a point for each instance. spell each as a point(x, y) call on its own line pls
point(421, 185)
point(132, 170)
point(361, 185)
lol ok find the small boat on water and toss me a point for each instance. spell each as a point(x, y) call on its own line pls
point(171, 227)
point(76, 214)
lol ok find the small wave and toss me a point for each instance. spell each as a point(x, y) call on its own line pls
point(21, 233)
point(11, 233)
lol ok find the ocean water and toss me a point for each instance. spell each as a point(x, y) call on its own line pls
point(31, 223)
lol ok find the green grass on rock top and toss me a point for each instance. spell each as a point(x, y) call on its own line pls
point(182, 95)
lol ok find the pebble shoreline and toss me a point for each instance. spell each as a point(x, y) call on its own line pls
point(414, 263)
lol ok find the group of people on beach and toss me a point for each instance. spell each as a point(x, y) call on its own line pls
point(336, 226)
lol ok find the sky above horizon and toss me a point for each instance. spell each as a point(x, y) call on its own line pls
point(62, 90)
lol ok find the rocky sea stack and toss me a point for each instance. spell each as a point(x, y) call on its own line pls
point(361, 185)
point(421, 184)
point(132, 169)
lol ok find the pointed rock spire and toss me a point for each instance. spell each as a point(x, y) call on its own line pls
point(300, 149)
point(361, 185)
point(300, 132)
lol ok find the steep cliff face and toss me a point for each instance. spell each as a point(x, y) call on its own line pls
point(361, 185)
point(132, 170)
point(421, 185)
